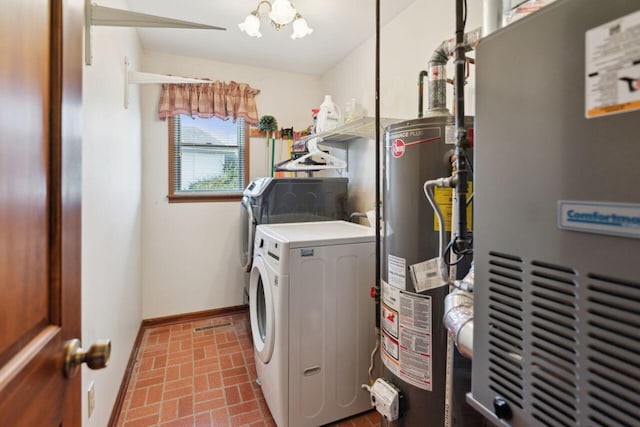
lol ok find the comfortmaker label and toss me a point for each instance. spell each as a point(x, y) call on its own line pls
point(620, 219)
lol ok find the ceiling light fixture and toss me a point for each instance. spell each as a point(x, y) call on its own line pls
point(280, 13)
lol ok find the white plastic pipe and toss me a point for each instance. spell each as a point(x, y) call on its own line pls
point(491, 16)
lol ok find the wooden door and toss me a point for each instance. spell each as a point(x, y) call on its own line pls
point(40, 183)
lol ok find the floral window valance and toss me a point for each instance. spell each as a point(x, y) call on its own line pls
point(224, 100)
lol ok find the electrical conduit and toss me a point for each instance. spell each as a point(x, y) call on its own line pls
point(421, 77)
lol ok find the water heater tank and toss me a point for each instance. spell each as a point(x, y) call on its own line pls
point(414, 340)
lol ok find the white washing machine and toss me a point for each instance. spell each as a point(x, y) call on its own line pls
point(313, 319)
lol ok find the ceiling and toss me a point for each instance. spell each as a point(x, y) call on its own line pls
point(339, 27)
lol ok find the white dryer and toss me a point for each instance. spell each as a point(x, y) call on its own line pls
point(313, 320)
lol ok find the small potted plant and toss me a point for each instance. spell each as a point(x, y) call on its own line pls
point(269, 125)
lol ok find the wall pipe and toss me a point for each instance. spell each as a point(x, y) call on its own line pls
point(458, 318)
point(378, 174)
point(421, 77)
point(462, 241)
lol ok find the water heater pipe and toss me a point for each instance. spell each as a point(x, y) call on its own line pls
point(428, 192)
point(421, 77)
point(462, 242)
point(378, 174)
point(458, 319)
point(437, 71)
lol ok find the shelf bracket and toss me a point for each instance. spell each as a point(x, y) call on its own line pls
point(106, 16)
point(141, 78)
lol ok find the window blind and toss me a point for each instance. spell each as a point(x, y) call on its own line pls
point(208, 155)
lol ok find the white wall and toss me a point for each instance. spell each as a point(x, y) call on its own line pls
point(191, 250)
point(111, 213)
point(407, 43)
point(145, 258)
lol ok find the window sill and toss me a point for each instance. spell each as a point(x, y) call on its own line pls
point(196, 198)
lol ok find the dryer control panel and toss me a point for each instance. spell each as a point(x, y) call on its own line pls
point(273, 250)
point(269, 248)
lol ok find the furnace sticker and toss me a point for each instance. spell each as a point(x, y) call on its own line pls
point(612, 67)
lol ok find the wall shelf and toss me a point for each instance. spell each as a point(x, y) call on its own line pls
point(107, 16)
point(140, 78)
point(340, 137)
point(360, 128)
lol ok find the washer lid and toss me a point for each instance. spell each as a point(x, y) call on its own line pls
point(323, 233)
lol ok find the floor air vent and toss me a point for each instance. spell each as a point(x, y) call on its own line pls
point(553, 342)
point(613, 346)
point(505, 320)
point(209, 327)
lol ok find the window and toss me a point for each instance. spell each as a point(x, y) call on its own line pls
point(208, 159)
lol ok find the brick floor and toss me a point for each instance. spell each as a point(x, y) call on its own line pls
point(184, 377)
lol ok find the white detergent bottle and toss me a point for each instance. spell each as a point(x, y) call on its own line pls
point(329, 116)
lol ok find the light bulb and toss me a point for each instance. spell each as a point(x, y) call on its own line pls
point(300, 28)
point(282, 12)
point(251, 26)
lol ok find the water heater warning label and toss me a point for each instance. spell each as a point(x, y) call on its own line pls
point(406, 341)
point(612, 81)
point(397, 268)
point(390, 320)
point(444, 199)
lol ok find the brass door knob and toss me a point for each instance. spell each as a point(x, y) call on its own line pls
point(96, 357)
